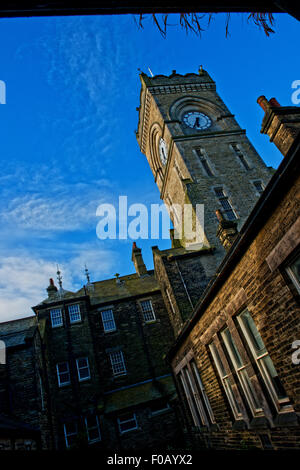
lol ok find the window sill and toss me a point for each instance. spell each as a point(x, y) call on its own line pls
point(239, 425)
point(290, 418)
point(116, 377)
point(161, 412)
point(122, 433)
point(259, 422)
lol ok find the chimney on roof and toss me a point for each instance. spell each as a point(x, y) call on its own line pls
point(227, 230)
point(138, 261)
point(51, 289)
point(280, 123)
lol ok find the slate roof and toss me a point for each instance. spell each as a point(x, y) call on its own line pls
point(128, 286)
point(17, 332)
point(139, 394)
point(65, 294)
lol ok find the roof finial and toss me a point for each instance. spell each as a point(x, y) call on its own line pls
point(200, 71)
point(150, 72)
point(59, 278)
point(87, 274)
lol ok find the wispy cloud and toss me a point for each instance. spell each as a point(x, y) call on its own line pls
point(24, 278)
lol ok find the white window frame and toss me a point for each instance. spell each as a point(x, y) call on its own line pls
point(281, 404)
point(242, 374)
point(123, 421)
point(193, 399)
point(226, 382)
point(60, 383)
point(203, 391)
point(91, 428)
point(67, 435)
point(54, 315)
point(77, 313)
point(291, 274)
point(41, 392)
point(148, 313)
point(117, 358)
point(107, 321)
point(87, 366)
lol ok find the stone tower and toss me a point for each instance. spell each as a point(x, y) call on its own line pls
point(198, 154)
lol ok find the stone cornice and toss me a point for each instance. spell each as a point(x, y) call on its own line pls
point(182, 88)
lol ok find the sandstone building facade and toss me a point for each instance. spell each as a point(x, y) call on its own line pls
point(197, 350)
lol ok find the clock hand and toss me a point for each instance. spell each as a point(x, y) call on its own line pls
point(196, 123)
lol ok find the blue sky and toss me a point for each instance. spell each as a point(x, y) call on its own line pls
point(67, 132)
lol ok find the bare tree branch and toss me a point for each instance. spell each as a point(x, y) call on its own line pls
point(191, 22)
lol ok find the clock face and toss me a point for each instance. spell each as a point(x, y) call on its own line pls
point(196, 120)
point(163, 151)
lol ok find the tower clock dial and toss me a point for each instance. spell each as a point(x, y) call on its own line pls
point(163, 151)
point(197, 120)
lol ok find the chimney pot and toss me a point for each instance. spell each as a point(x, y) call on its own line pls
point(263, 102)
point(274, 102)
point(219, 215)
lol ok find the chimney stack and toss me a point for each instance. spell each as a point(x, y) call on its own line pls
point(280, 123)
point(51, 289)
point(227, 230)
point(138, 261)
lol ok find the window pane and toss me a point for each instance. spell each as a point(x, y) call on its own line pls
point(231, 344)
point(108, 320)
point(70, 431)
point(117, 362)
point(63, 367)
point(147, 310)
point(82, 362)
point(83, 368)
point(127, 423)
point(249, 390)
point(254, 334)
point(258, 186)
point(56, 317)
point(93, 428)
point(74, 313)
point(225, 203)
point(233, 402)
point(295, 267)
point(217, 358)
point(264, 362)
point(274, 377)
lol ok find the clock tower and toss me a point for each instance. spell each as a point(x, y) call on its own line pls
point(199, 155)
